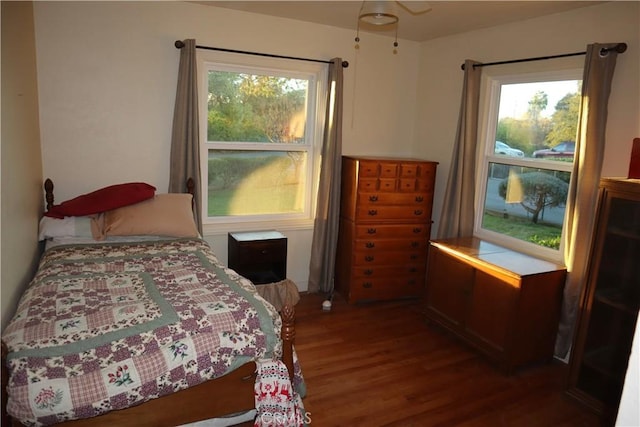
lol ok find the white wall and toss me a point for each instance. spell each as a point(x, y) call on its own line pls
point(107, 75)
point(21, 192)
point(440, 84)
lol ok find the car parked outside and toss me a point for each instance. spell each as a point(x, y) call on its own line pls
point(564, 149)
point(504, 149)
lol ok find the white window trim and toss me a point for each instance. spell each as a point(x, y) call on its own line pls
point(316, 73)
point(489, 104)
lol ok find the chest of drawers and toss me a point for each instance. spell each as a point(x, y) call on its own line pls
point(385, 224)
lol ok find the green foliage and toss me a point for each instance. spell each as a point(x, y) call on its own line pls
point(533, 132)
point(552, 242)
point(539, 190)
point(255, 108)
point(565, 124)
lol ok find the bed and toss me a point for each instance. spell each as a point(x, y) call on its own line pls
point(142, 327)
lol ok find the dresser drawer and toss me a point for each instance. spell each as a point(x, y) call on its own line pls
point(390, 244)
point(400, 199)
point(380, 231)
point(366, 289)
point(380, 257)
point(368, 169)
point(389, 271)
point(381, 213)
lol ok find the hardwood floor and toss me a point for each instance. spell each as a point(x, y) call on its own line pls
point(381, 364)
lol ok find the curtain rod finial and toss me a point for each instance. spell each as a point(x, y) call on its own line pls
point(179, 44)
point(621, 47)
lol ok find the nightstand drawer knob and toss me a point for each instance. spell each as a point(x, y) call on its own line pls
point(370, 245)
point(368, 258)
point(368, 272)
point(418, 212)
point(373, 212)
point(371, 231)
point(373, 198)
point(367, 285)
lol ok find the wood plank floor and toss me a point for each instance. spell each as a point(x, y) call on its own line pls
point(381, 364)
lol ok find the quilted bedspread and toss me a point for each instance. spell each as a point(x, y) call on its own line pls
point(103, 327)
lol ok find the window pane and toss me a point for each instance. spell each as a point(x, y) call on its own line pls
point(254, 108)
point(538, 120)
point(526, 203)
point(256, 182)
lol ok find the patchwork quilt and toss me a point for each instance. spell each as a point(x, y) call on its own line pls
point(107, 326)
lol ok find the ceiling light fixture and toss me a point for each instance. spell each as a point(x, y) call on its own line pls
point(378, 14)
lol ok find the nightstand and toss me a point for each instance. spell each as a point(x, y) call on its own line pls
point(260, 256)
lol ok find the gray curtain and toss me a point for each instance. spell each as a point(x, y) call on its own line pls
point(456, 219)
point(583, 193)
point(325, 229)
point(185, 142)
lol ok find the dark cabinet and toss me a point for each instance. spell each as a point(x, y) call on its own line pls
point(609, 302)
point(260, 256)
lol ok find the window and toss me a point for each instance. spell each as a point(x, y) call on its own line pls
point(259, 135)
point(530, 126)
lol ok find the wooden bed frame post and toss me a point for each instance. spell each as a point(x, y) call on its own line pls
point(288, 335)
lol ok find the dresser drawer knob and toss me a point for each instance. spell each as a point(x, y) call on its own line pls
point(418, 212)
point(373, 198)
point(415, 244)
point(371, 231)
point(370, 245)
point(368, 258)
point(413, 256)
point(413, 270)
point(368, 272)
point(373, 212)
point(367, 285)
point(419, 199)
point(417, 230)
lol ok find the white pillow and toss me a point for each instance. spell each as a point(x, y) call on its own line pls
point(69, 226)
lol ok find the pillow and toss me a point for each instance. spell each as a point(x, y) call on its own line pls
point(71, 226)
point(167, 214)
point(104, 199)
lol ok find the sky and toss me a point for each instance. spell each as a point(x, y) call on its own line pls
point(514, 98)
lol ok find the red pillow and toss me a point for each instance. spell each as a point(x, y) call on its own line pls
point(104, 199)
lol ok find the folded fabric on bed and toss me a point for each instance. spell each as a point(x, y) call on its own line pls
point(104, 199)
point(102, 327)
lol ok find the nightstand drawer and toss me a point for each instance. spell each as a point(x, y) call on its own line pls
point(260, 256)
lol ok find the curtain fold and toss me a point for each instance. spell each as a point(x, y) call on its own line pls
point(325, 230)
point(185, 141)
point(583, 191)
point(456, 219)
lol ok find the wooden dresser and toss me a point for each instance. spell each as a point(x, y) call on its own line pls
point(385, 224)
point(504, 303)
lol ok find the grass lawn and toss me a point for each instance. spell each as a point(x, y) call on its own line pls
point(523, 229)
point(253, 201)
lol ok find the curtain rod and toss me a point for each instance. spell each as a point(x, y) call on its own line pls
point(620, 48)
point(180, 44)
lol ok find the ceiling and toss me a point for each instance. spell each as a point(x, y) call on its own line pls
point(445, 17)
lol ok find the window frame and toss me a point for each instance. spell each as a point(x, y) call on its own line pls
point(316, 74)
point(488, 121)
